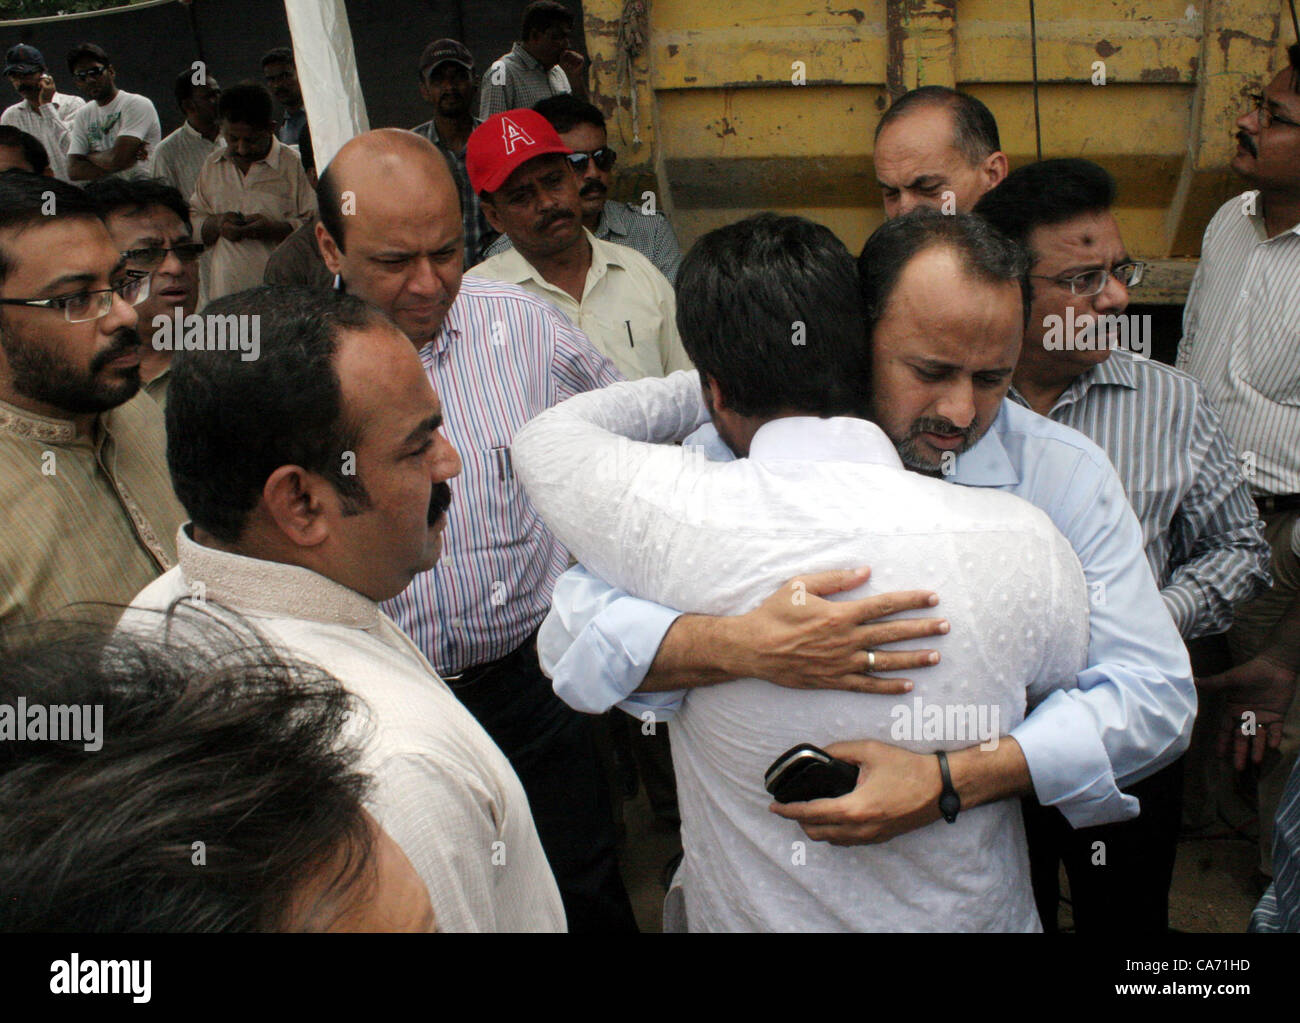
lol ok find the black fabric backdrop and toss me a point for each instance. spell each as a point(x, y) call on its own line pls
point(150, 47)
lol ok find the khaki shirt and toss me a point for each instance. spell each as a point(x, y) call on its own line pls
point(628, 309)
point(276, 187)
point(88, 518)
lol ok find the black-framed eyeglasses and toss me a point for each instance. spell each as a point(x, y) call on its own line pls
point(90, 72)
point(1265, 116)
point(1091, 282)
point(152, 257)
point(91, 305)
point(604, 158)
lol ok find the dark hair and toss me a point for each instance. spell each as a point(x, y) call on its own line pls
point(83, 50)
point(769, 308)
point(24, 200)
point(184, 88)
point(566, 110)
point(231, 422)
point(136, 195)
point(1045, 193)
point(33, 152)
point(246, 103)
point(215, 739)
point(975, 130)
point(985, 254)
point(305, 151)
point(540, 15)
point(278, 55)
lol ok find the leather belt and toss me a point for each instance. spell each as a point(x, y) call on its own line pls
point(476, 673)
point(1277, 503)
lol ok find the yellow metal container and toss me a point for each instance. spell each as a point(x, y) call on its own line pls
point(748, 105)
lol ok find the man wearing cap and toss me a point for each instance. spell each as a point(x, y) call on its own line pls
point(43, 112)
point(529, 188)
point(447, 84)
point(497, 357)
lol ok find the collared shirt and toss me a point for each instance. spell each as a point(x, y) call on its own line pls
point(1200, 530)
point(443, 790)
point(1133, 709)
point(96, 128)
point(518, 80)
point(1241, 340)
point(297, 260)
point(717, 538)
point(275, 186)
point(628, 309)
point(89, 517)
point(1279, 910)
point(479, 234)
point(50, 125)
point(157, 387)
point(501, 357)
point(181, 155)
point(625, 223)
point(290, 130)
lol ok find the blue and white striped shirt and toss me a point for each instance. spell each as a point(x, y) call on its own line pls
point(501, 357)
point(1200, 531)
point(1279, 909)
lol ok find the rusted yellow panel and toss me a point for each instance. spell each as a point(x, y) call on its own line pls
point(771, 104)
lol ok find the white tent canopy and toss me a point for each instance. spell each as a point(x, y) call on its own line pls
point(327, 71)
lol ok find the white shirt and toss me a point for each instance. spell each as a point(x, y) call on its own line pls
point(1241, 340)
point(50, 124)
point(179, 157)
point(96, 129)
point(443, 790)
point(628, 309)
point(815, 494)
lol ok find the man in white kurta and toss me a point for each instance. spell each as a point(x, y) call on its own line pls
point(664, 523)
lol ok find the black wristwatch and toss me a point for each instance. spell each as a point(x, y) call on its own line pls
point(949, 801)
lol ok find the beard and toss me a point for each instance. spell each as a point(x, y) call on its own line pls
point(910, 450)
point(39, 374)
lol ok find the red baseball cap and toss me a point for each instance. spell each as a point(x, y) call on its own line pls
point(504, 142)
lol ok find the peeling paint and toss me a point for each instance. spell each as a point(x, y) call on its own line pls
point(1105, 49)
point(852, 12)
point(672, 49)
point(1227, 35)
point(1160, 74)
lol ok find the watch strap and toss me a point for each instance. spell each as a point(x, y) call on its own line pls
point(949, 801)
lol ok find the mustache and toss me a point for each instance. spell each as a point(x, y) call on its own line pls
point(592, 188)
point(1248, 142)
point(439, 501)
point(553, 218)
point(939, 425)
point(125, 340)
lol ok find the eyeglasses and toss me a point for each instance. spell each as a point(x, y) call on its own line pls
point(1265, 116)
point(89, 73)
point(91, 305)
point(1091, 282)
point(604, 158)
point(152, 257)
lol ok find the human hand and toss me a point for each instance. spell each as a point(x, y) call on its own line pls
point(897, 792)
point(47, 90)
point(1260, 687)
point(232, 226)
point(798, 640)
point(572, 62)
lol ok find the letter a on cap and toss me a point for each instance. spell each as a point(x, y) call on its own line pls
point(512, 135)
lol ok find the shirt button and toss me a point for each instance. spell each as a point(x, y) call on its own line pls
point(1245, 293)
point(456, 623)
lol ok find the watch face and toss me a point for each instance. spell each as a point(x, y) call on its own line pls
point(949, 804)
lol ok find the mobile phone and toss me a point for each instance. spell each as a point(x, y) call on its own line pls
point(806, 772)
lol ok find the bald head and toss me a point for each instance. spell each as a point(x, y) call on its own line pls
point(391, 227)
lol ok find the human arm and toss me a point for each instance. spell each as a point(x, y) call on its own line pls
point(127, 151)
point(265, 228)
point(574, 66)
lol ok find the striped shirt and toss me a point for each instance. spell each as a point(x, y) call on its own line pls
point(1200, 531)
point(1241, 340)
point(624, 223)
point(1279, 909)
point(501, 357)
point(478, 232)
point(518, 80)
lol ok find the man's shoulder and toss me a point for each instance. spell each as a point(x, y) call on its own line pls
point(481, 296)
point(11, 114)
point(1150, 373)
point(171, 139)
point(135, 99)
point(1048, 438)
point(139, 419)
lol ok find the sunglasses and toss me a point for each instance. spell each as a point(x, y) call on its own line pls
point(604, 158)
point(153, 256)
point(89, 73)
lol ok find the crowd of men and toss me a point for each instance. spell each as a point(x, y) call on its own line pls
point(363, 505)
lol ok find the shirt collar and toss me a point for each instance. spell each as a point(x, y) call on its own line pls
point(613, 220)
point(527, 59)
point(1116, 371)
point(272, 587)
point(513, 268)
point(812, 439)
point(987, 464)
point(30, 426)
point(1254, 214)
point(272, 159)
point(453, 326)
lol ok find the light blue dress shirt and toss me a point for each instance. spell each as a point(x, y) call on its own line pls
point(1133, 710)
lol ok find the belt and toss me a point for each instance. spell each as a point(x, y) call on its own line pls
point(1277, 503)
point(476, 673)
